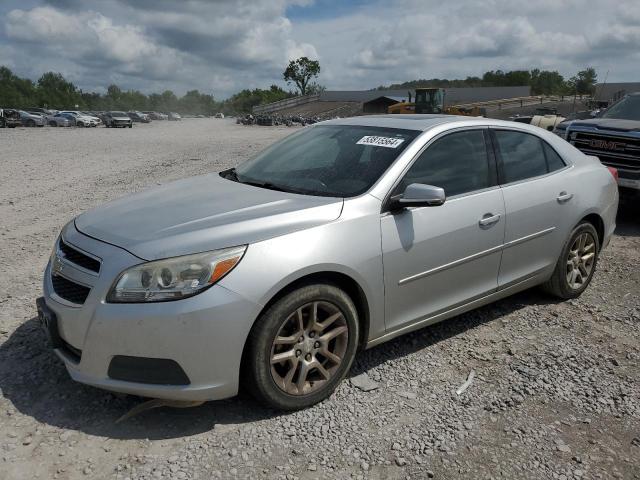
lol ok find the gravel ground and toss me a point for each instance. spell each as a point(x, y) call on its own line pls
point(556, 393)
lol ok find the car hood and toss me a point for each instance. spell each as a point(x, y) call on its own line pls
point(608, 124)
point(121, 118)
point(203, 213)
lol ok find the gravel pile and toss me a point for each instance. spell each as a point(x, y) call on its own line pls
point(555, 392)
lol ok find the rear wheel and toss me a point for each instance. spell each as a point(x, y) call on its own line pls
point(302, 347)
point(577, 263)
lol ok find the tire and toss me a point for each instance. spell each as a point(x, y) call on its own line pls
point(130, 125)
point(559, 283)
point(267, 381)
point(80, 124)
point(53, 124)
point(31, 123)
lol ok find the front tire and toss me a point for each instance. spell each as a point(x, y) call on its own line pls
point(576, 265)
point(301, 348)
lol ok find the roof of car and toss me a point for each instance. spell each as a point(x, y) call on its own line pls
point(407, 122)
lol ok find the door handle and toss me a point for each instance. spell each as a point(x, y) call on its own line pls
point(489, 219)
point(564, 197)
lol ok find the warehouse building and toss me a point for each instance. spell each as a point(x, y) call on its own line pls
point(358, 102)
point(607, 93)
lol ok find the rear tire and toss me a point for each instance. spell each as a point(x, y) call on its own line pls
point(314, 329)
point(576, 265)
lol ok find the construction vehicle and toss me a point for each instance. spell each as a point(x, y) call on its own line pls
point(431, 100)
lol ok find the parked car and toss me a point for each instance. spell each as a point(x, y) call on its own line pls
point(156, 115)
point(59, 121)
point(219, 115)
point(9, 118)
point(59, 118)
point(614, 137)
point(139, 117)
point(174, 116)
point(117, 119)
point(276, 272)
point(80, 119)
point(31, 119)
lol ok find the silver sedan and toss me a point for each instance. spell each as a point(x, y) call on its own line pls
point(340, 237)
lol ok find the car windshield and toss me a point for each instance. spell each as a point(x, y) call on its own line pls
point(118, 114)
point(626, 109)
point(326, 160)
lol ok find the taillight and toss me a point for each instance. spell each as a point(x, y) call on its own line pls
point(614, 172)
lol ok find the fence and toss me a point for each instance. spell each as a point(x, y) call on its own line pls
point(286, 103)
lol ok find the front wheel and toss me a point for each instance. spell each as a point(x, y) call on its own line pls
point(302, 347)
point(577, 263)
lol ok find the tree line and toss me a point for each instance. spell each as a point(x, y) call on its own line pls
point(542, 82)
point(53, 91)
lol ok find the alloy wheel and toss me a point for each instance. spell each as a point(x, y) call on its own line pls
point(580, 260)
point(309, 348)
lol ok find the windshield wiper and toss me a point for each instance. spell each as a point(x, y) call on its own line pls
point(267, 185)
point(231, 174)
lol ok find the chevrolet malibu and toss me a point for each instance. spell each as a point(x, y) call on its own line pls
point(340, 237)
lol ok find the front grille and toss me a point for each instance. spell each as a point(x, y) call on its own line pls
point(70, 291)
point(615, 151)
point(76, 256)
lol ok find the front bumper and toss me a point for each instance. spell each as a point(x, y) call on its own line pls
point(204, 335)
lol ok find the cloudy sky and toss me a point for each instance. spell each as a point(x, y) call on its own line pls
point(222, 46)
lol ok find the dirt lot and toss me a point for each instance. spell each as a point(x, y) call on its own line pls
point(556, 393)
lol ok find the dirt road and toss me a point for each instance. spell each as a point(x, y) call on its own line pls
point(556, 393)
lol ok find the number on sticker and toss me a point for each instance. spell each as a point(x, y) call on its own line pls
point(387, 142)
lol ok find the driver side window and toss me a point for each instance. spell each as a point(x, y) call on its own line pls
point(457, 162)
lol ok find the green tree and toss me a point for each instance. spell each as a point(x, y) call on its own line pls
point(584, 82)
point(545, 82)
point(55, 91)
point(16, 92)
point(300, 72)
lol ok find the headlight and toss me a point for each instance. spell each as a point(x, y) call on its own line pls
point(174, 278)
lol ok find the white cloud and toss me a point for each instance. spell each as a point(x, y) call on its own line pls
point(226, 45)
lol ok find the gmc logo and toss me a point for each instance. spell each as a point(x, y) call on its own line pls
point(606, 144)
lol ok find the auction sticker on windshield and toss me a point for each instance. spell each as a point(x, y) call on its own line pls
point(387, 142)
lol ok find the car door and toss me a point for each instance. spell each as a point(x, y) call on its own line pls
point(436, 258)
point(537, 199)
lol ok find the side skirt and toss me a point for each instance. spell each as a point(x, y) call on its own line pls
point(535, 279)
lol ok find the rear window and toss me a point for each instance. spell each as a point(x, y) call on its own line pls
point(522, 155)
point(554, 161)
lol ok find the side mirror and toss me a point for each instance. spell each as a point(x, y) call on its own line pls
point(418, 195)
